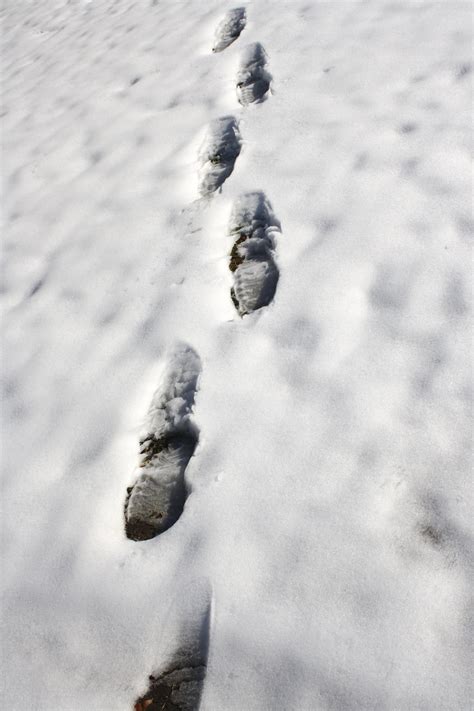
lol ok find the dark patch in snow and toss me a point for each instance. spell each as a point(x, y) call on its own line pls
point(408, 127)
point(35, 288)
point(455, 301)
point(436, 529)
point(431, 535)
point(177, 689)
point(361, 161)
point(179, 686)
point(409, 167)
point(465, 226)
point(326, 224)
point(391, 288)
point(96, 157)
point(463, 71)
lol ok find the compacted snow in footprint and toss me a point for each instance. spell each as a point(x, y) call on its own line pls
point(319, 552)
point(156, 499)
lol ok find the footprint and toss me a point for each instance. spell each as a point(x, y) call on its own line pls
point(218, 154)
point(229, 29)
point(179, 686)
point(253, 80)
point(251, 259)
point(156, 499)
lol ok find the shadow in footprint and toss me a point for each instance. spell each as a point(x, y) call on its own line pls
point(251, 259)
point(229, 28)
point(253, 80)
point(156, 500)
point(179, 686)
point(218, 154)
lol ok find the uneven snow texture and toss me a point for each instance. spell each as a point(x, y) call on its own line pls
point(329, 492)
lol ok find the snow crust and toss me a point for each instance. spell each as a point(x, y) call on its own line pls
point(328, 520)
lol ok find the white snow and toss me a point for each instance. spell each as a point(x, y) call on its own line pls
point(328, 519)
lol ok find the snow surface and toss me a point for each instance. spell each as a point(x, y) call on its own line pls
point(328, 521)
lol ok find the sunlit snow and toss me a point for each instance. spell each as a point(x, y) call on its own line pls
point(324, 542)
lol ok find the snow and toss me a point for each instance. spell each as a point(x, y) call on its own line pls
point(327, 525)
